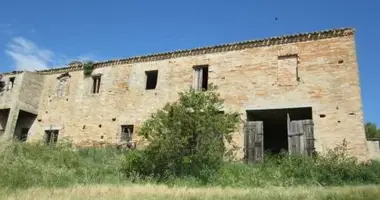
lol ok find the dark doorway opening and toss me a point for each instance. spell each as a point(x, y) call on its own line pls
point(4, 113)
point(275, 126)
point(25, 121)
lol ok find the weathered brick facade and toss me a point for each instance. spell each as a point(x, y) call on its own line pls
point(317, 70)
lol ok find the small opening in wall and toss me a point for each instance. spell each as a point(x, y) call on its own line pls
point(126, 132)
point(201, 77)
point(96, 84)
point(338, 121)
point(151, 79)
point(113, 119)
point(46, 111)
point(100, 126)
point(340, 61)
point(84, 126)
point(11, 82)
point(67, 99)
point(322, 115)
point(352, 114)
point(39, 120)
point(102, 137)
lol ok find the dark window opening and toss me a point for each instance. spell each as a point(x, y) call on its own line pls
point(126, 132)
point(96, 84)
point(24, 122)
point(23, 135)
point(151, 79)
point(201, 77)
point(11, 82)
point(280, 135)
point(51, 136)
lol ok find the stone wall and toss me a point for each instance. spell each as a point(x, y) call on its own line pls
point(374, 149)
point(250, 78)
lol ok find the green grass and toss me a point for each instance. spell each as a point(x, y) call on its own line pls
point(147, 191)
point(25, 165)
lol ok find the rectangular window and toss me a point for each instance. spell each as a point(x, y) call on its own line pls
point(201, 77)
point(126, 133)
point(11, 82)
point(288, 70)
point(151, 79)
point(96, 84)
point(51, 136)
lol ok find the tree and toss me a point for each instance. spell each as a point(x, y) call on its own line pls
point(186, 137)
point(371, 131)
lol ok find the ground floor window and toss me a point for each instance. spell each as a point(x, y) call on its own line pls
point(51, 136)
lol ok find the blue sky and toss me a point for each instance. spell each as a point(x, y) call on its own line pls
point(53, 33)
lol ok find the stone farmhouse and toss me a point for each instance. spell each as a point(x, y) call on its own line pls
point(299, 93)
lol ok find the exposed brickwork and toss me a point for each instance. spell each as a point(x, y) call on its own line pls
point(247, 74)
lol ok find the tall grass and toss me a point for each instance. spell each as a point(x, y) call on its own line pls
point(23, 165)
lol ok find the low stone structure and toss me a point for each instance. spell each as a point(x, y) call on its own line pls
point(298, 93)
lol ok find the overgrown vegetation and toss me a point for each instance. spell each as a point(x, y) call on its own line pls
point(371, 131)
point(186, 149)
point(88, 67)
point(186, 138)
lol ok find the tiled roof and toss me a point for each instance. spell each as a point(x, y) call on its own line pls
point(286, 39)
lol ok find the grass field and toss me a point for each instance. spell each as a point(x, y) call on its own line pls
point(143, 192)
point(35, 171)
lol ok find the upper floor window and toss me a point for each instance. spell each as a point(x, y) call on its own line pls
point(96, 84)
point(201, 77)
point(151, 79)
point(11, 82)
point(62, 84)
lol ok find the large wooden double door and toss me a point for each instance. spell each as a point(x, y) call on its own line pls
point(300, 138)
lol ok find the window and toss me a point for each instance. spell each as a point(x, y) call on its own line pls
point(11, 82)
point(51, 136)
point(126, 132)
point(201, 77)
point(151, 79)
point(96, 84)
point(288, 70)
point(63, 81)
point(61, 87)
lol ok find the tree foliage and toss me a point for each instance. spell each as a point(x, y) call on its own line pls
point(371, 131)
point(187, 137)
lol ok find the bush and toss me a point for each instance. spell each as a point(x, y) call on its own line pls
point(186, 138)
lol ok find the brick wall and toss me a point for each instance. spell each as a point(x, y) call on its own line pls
point(251, 78)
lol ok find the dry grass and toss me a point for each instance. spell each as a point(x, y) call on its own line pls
point(164, 192)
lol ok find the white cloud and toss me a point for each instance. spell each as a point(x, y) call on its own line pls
point(28, 56)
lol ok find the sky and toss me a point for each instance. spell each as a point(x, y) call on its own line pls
point(42, 34)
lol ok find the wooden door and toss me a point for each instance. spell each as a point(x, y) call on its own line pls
point(300, 137)
point(254, 141)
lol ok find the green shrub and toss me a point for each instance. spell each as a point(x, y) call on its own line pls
point(88, 68)
point(186, 138)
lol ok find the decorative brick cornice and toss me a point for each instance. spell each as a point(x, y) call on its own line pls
point(286, 39)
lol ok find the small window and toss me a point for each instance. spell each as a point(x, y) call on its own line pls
point(11, 82)
point(151, 79)
point(201, 77)
point(51, 136)
point(126, 132)
point(96, 84)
